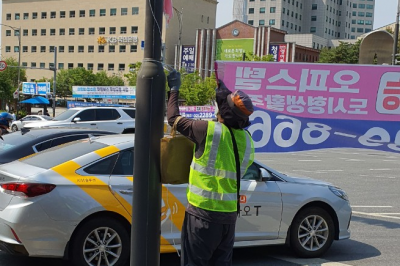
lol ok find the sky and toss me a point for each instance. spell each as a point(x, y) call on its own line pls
point(385, 13)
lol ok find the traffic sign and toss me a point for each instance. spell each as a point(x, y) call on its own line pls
point(3, 65)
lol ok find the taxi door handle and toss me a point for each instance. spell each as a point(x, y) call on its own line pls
point(126, 192)
point(92, 124)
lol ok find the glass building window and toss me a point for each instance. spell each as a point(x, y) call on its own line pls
point(62, 14)
point(60, 65)
point(111, 49)
point(134, 29)
point(51, 49)
point(121, 67)
point(42, 49)
point(16, 49)
point(82, 13)
point(251, 22)
point(122, 48)
point(8, 49)
point(135, 10)
point(33, 49)
point(53, 14)
point(100, 66)
point(102, 12)
point(110, 67)
point(102, 30)
point(71, 14)
point(101, 49)
point(90, 66)
point(61, 49)
point(91, 31)
point(92, 13)
point(42, 65)
point(90, 49)
point(272, 22)
point(34, 15)
point(112, 30)
point(62, 31)
point(113, 12)
point(25, 33)
point(70, 65)
point(262, 10)
point(261, 22)
point(81, 31)
point(71, 31)
point(17, 16)
point(8, 17)
point(52, 32)
point(44, 15)
point(43, 32)
point(313, 18)
point(313, 29)
point(123, 30)
point(71, 49)
point(272, 9)
point(81, 49)
point(133, 48)
point(251, 10)
point(8, 32)
point(314, 7)
point(26, 16)
point(124, 11)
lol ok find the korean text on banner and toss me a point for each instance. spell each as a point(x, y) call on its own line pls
point(311, 106)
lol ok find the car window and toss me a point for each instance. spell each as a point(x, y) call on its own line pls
point(252, 173)
point(43, 146)
point(47, 117)
point(63, 153)
point(102, 167)
point(65, 139)
point(106, 114)
point(87, 115)
point(130, 112)
point(12, 140)
point(35, 118)
point(64, 116)
point(124, 164)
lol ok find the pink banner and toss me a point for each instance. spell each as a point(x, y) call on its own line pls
point(282, 53)
point(353, 92)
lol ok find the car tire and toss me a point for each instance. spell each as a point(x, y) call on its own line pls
point(87, 249)
point(311, 232)
point(14, 128)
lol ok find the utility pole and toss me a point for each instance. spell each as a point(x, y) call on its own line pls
point(396, 34)
point(150, 106)
point(180, 21)
point(54, 81)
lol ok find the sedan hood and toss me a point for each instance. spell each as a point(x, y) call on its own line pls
point(45, 124)
point(305, 180)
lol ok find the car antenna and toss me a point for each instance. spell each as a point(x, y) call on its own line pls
point(92, 138)
point(24, 130)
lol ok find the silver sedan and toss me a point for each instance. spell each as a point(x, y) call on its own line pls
point(17, 125)
point(74, 201)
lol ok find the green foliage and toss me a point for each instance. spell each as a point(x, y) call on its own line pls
point(9, 79)
point(197, 91)
point(133, 72)
point(264, 58)
point(345, 53)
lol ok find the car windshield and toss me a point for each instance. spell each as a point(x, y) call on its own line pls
point(13, 140)
point(63, 153)
point(63, 116)
point(47, 117)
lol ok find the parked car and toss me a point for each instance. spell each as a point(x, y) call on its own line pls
point(74, 201)
point(26, 142)
point(115, 119)
point(18, 124)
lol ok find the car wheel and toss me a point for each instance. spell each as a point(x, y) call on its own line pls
point(14, 128)
point(101, 241)
point(311, 232)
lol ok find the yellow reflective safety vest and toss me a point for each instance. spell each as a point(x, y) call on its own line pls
point(213, 180)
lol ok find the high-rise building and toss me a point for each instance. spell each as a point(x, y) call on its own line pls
point(93, 34)
point(330, 19)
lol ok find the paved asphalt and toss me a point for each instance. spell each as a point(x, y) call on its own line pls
point(372, 180)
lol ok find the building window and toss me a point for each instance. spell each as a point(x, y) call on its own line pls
point(273, 10)
point(25, 33)
point(71, 49)
point(261, 22)
point(42, 49)
point(80, 65)
point(100, 66)
point(369, 15)
point(25, 64)
point(314, 7)
point(313, 29)
point(91, 31)
point(121, 67)
point(283, 23)
point(71, 31)
point(110, 67)
point(16, 49)
point(90, 66)
point(60, 65)
point(133, 48)
point(33, 49)
point(42, 65)
point(111, 49)
point(135, 11)
point(123, 30)
point(361, 14)
point(33, 64)
point(368, 22)
point(51, 49)
point(313, 18)
point(91, 49)
point(34, 32)
point(92, 13)
point(101, 49)
point(122, 48)
point(71, 14)
point(8, 17)
point(82, 13)
point(81, 49)
point(43, 32)
point(34, 15)
point(53, 14)
point(102, 12)
point(360, 22)
point(251, 10)
point(134, 29)
point(52, 32)
point(272, 22)
point(102, 30)
point(44, 15)
point(360, 30)
point(26, 16)
point(251, 22)
point(8, 32)
point(61, 49)
point(17, 16)
point(361, 5)
point(124, 11)
point(70, 65)
point(62, 14)
point(113, 12)
point(81, 31)
point(370, 6)
point(262, 10)
point(62, 32)
point(8, 49)
point(112, 30)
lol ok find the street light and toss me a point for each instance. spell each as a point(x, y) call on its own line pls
point(396, 34)
point(180, 21)
point(19, 60)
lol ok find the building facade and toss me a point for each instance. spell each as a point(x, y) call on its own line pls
point(94, 34)
point(330, 19)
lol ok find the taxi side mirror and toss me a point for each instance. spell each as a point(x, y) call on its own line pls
point(265, 175)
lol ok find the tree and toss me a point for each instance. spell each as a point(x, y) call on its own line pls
point(133, 72)
point(9, 80)
point(264, 58)
point(345, 53)
point(196, 91)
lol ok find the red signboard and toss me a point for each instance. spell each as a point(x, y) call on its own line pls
point(3, 65)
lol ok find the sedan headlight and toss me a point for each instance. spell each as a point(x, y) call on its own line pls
point(339, 192)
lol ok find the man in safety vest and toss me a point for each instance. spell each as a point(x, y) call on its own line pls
point(208, 230)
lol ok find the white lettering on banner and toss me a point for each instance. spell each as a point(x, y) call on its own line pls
point(295, 105)
point(122, 39)
point(357, 107)
point(257, 99)
point(283, 74)
point(316, 104)
point(339, 107)
point(248, 78)
point(355, 77)
point(317, 82)
point(275, 102)
point(313, 134)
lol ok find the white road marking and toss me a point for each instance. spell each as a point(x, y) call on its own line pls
point(345, 135)
point(372, 206)
point(381, 169)
point(392, 177)
point(390, 160)
point(355, 160)
point(376, 215)
point(308, 160)
point(311, 262)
